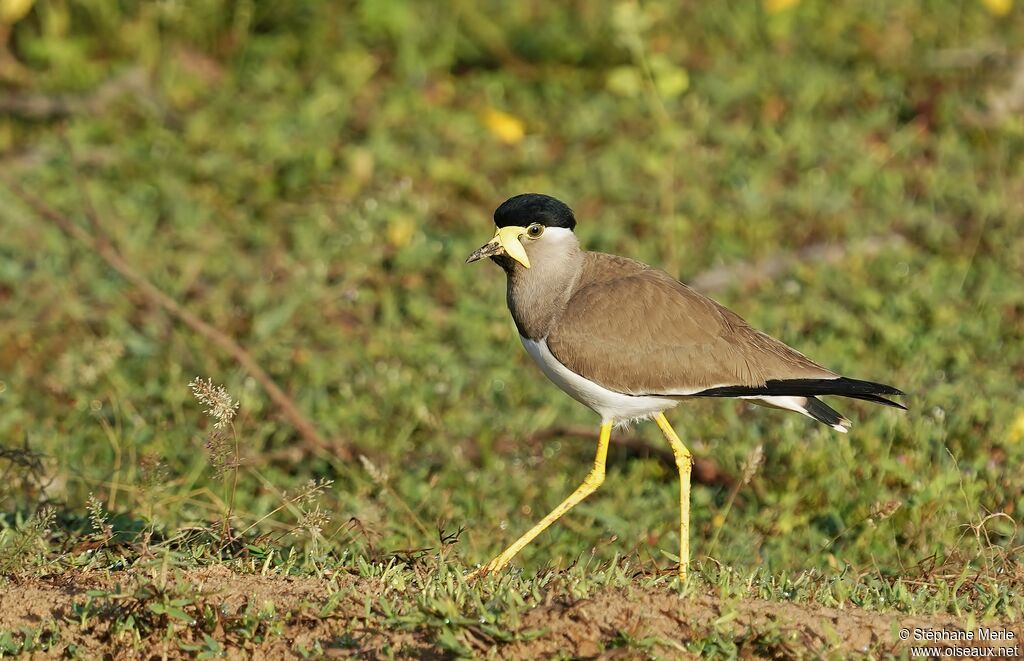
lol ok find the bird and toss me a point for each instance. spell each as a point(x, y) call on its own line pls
point(630, 342)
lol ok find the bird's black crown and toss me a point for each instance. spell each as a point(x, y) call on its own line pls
point(528, 208)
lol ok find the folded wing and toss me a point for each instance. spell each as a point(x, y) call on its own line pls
point(639, 331)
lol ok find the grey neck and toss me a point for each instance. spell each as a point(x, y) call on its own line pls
point(537, 296)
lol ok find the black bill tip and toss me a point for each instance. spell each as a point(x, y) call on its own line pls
point(486, 250)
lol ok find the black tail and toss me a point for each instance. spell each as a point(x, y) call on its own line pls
point(842, 386)
point(822, 412)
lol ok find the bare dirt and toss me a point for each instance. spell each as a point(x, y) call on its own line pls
point(113, 616)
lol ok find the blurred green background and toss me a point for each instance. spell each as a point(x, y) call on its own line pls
point(309, 177)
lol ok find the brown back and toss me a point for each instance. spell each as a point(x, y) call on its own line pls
point(637, 330)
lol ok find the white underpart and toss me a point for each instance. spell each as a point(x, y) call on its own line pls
point(610, 405)
point(618, 407)
point(792, 403)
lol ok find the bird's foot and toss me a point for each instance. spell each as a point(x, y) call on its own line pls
point(484, 570)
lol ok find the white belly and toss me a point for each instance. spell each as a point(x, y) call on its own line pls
point(610, 405)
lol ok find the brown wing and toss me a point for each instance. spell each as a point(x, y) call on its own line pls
point(637, 330)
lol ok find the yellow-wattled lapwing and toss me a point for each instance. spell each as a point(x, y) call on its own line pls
point(630, 341)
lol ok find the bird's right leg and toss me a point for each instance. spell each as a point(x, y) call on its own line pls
point(590, 484)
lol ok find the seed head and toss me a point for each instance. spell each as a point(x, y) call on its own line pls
point(752, 463)
point(882, 510)
point(376, 474)
point(312, 521)
point(221, 407)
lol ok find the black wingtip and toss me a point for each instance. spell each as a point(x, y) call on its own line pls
point(843, 387)
point(846, 385)
point(879, 400)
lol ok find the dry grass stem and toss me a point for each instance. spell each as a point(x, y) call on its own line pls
point(101, 244)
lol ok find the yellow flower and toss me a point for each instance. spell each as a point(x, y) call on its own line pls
point(400, 231)
point(779, 6)
point(505, 127)
point(998, 7)
point(12, 11)
point(1015, 433)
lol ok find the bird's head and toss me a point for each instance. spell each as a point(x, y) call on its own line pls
point(526, 225)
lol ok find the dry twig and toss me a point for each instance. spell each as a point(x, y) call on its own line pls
point(48, 107)
point(705, 471)
point(99, 243)
point(747, 274)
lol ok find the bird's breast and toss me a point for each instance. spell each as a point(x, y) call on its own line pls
point(610, 405)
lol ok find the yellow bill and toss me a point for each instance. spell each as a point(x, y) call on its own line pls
point(506, 240)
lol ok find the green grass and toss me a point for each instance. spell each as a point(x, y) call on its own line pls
point(309, 177)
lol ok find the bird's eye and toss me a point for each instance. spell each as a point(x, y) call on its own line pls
point(535, 230)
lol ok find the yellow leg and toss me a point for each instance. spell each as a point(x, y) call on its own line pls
point(590, 484)
point(684, 462)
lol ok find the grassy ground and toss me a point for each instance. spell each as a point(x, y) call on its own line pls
point(308, 177)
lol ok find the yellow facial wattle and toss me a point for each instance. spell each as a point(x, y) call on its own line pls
point(508, 239)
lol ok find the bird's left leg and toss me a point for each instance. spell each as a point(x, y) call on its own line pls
point(684, 463)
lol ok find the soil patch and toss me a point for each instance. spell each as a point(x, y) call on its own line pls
point(127, 615)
